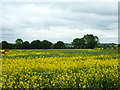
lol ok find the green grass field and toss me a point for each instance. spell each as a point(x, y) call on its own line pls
point(70, 68)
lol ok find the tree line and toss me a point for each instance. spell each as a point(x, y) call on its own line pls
point(88, 41)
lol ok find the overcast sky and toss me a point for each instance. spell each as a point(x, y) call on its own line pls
point(59, 21)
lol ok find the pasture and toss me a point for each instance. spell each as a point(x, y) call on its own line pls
point(60, 68)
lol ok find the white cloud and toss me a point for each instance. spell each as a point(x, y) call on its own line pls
point(65, 34)
point(52, 22)
point(59, 1)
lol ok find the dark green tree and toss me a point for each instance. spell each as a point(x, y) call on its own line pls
point(25, 45)
point(78, 43)
point(88, 41)
point(19, 43)
point(11, 46)
point(36, 44)
point(118, 45)
point(0, 45)
point(91, 41)
point(5, 45)
point(46, 44)
point(59, 45)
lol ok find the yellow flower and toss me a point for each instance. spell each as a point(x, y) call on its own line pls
point(84, 86)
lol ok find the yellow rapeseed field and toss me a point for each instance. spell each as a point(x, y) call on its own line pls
point(75, 68)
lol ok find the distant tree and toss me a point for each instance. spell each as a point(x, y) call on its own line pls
point(0, 45)
point(25, 45)
point(88, 41)
point(118, 45)
point(78, 43)
point(82, 43)
point(11, 46)
point(19, 43)
point(59, 45)
point(46, 44)
point(5, 45)
point(36, 44)
point(91, 41)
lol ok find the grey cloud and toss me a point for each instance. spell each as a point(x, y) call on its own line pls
point(78, 15)
point(102, 8)
point(18, 18)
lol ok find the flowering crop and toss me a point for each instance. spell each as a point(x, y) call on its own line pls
point(77, 68)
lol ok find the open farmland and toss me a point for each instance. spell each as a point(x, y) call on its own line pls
point(70, 68)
